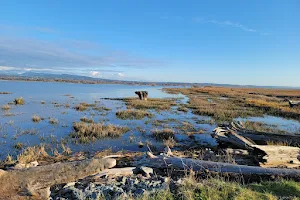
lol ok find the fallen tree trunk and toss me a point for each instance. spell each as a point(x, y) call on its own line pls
point(200, 165)
point(36, 181)
point(126, 171)
point(279, 156)
point(263, 137)
point(267, 155)
point(293, 103)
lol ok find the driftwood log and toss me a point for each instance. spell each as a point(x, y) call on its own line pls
point(36, 181)
point(294, 103)
point(267, 155)
point(163, 161)
point(143, 95)
point(260, 137)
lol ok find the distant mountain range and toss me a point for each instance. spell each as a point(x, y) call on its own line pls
point(48, 77)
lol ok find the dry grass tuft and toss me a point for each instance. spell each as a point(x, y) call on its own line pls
point(170, 142)
point(133, 114)
point(19, 146)
point(19, 101)
point(90, 132)
point(163, 134)
point(53, 121)
point(87, 120)
point(152, 103)
point(83, 106)
point(31, 154)
point(5, 107)
point(36, 118)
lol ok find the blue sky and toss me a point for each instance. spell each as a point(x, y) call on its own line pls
point(236, 42)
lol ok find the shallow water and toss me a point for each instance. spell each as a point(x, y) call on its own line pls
point(288, 125)
point(15, 121)
point(18, 119)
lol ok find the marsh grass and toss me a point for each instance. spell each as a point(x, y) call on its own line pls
point(31, 154)
point(182, 108)
point(36, 118)
point(87, 120)
point(65, 149)
point(133, 114)
point(19, 101)
point(5, 107)
point(87, 132)
point(163, 134)
point(83, 106)
point(152, 103)
point(101, 108)
point(170, 142)
point(186, 127)
point(262, 127)
point(239, 102)
point(19, 146)
point(53, 120)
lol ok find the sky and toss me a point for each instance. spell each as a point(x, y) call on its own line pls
point(229, 42)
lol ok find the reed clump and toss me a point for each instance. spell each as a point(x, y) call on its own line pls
point(19, 101)
point(87, 132)
point(36, 118)
point(5, 107)
point(163, 134)
point(133, 114)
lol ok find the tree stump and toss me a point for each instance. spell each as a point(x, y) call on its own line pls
point(143, 95)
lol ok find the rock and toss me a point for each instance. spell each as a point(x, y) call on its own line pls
point(165, 179)
point(140, 144)
point(122, 180)
point(145, 171)
point(139, 192)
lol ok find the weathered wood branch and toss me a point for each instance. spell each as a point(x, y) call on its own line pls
point(126, 171)
point(200, 165)
point(294, 103)
point(267, 155)
point(279, 156)
point(36, 181)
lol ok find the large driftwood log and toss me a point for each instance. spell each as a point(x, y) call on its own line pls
point(200, 165)
point(143, 95)
point(267, 155)
point(36, 181)
point(279, 156)
point(294, 103)
point(263, 137)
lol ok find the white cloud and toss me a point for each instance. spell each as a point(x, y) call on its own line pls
point(216, 22)
point(121, 74)
point(233, 24)
point(27, 53)
point(94, 73)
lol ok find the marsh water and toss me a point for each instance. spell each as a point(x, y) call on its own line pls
point(59, 99)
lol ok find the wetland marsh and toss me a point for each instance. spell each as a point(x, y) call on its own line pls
point(97, 117)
